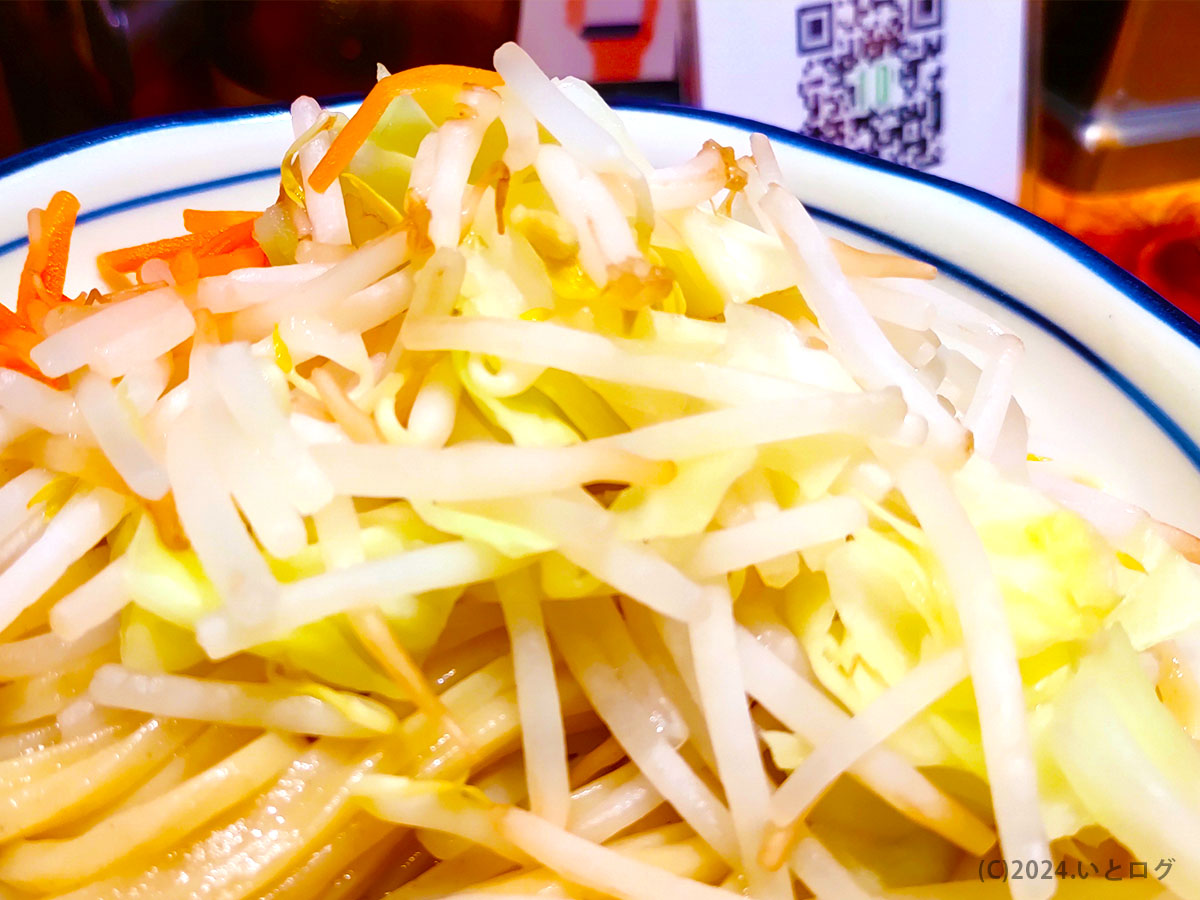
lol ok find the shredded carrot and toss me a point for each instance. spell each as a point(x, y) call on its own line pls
point(10, 319)
point(202, 243)
point(16, 340)
point(41, 284)
point(197, 220)
point(232, 238)
point(20, 342)
point(11, 359)
point(45, 268)
point(59, 223)
point(410, 81)
point(219, 241)
point(130, 259)
point(224, 263)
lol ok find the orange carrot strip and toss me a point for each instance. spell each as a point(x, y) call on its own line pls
point(13, 359)
point(21, 341)
point(233, 238)
point(183, 252)
point(355, 132)
point(224, 263)
point(45, 269)
point(17, 339)
point(10, 320)
point(40, 288)
point(196, 220)
point(130, 259)
point(59, 223)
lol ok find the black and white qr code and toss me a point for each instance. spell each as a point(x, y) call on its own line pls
point(872, 76)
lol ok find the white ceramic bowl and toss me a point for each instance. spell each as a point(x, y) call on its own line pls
point(1111, 375)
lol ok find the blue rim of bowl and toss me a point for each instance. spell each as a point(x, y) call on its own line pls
point(63, 146)
point(43, 152)
point(1128, 285)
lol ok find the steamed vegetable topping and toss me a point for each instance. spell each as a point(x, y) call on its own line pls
point(498, 513)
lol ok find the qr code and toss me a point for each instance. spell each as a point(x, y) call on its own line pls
point(872, 76)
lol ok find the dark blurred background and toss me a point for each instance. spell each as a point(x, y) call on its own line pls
point(71, 65)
